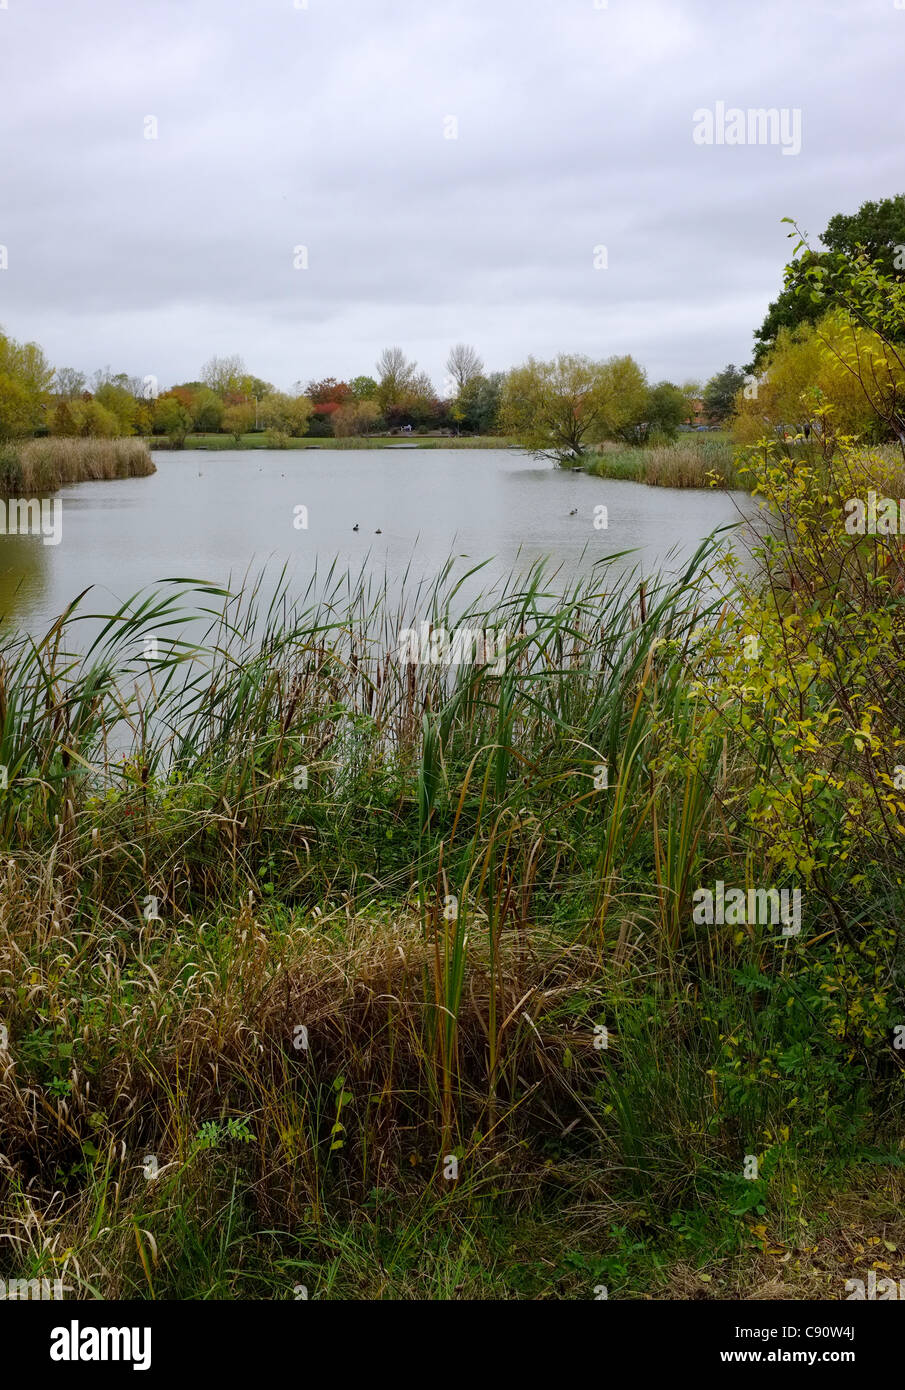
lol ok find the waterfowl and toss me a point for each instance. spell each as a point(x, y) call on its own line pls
point(355, 527)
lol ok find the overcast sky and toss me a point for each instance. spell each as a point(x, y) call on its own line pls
point(327, 127)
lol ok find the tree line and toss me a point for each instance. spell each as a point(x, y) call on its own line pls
point(809, 361)
point(558, 406)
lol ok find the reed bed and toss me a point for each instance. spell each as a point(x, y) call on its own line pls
point(691, 461)
point(43, 465)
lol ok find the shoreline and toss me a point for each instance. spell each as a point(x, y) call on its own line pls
point(251, 442)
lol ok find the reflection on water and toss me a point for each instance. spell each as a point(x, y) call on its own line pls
point(213, 515)
point(24, 576)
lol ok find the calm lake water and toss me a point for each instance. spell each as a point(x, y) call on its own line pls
point(211, 515)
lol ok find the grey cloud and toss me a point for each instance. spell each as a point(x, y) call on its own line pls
point(324, 127)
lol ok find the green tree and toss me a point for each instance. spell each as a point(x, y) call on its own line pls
point(395, 377)
point(207, 411)
point(66, 419)
point(238, 420)
point(721, 391)
point(224, 374)
point(172, 418)
point(787, 311)
point(662, 411)
point(836, 375)
point(477, 406)
point(286, 414)
point(255, 387)
point(96, 421)
point(877, 227)
point(121, 404)
point(363, 388)
point(16, 408)
point(25, 380)
point(557, 408)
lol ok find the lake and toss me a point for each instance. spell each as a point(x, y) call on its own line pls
point(211, 515)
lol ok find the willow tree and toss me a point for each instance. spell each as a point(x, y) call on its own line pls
point(556, 409)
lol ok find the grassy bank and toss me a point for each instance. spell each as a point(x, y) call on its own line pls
point(691, 461)
point(43, 465)
point(323, 968)
point(263, 440)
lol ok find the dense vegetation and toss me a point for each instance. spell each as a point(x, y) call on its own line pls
point(231, 404)
point(42, 465)
point(876, 228)
point(692, 461)
point(326, 970)
point(322, 969)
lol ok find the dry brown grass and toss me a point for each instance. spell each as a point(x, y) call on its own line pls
point(193, 1022)
point(841, 1237)
point(43, 465)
